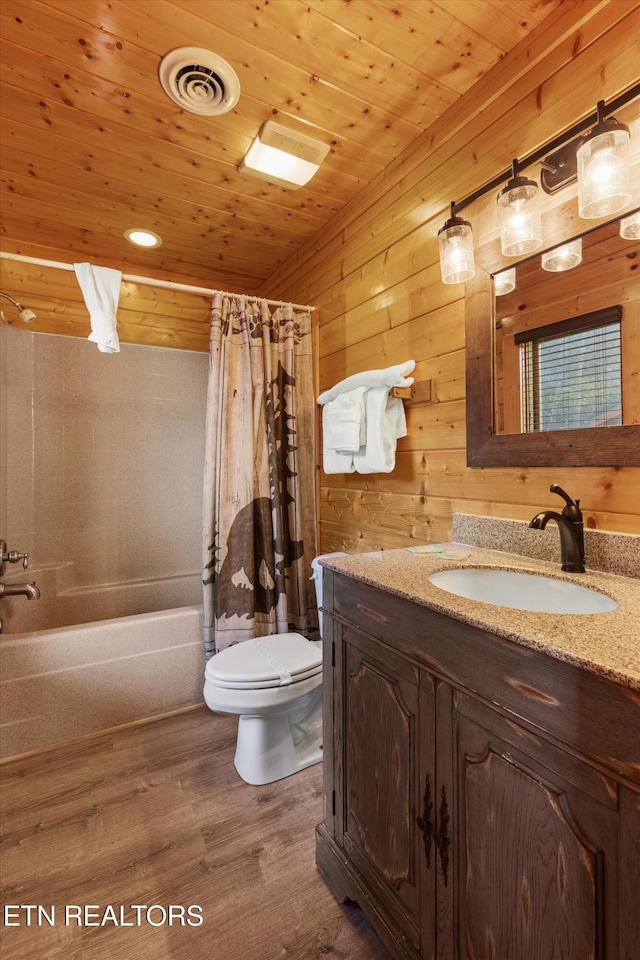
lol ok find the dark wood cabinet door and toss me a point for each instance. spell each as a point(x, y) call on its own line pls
point(536, 846)
point(629, 898)
point(385, 778)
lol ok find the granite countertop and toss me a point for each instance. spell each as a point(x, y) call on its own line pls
point(605, 643)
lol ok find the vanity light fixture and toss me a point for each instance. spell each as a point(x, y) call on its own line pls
point(597, 157)
point(630, 226)
point(455, 241)
point(566, 257)
point(143, 238)
point(504, 282)
point(283, 157)
point(519, 215)
point(604, 168)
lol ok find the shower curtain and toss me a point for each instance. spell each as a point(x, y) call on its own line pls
point(258, 505)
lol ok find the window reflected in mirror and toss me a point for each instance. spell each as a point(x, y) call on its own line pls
point(567, 342)
point(570, 374)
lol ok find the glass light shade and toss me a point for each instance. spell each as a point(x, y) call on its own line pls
point(282, 156)
point(604, 173)
point(566, 257)
point(519, 217)
point(504, 282)
point(455, 241)
point(277, 166)
point(630, 226)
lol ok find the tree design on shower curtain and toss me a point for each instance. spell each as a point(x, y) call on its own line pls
point(255, 572)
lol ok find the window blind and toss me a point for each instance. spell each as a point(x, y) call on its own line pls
point(570, 373)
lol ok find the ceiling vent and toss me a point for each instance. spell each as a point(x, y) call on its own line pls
point(199, 81)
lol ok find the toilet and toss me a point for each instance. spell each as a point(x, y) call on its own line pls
point(274, 684)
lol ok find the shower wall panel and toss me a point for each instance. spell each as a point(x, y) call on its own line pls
point(102, 456)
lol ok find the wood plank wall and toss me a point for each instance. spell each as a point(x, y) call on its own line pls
point(373, 272)
point(154, 316)
point(374, 275)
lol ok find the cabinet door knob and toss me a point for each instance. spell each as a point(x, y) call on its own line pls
point(441, 838)
point(424, 822)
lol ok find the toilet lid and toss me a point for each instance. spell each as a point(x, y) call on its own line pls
point(273, 661)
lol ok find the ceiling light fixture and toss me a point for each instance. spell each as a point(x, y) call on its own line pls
point(143, 238)
point(455, 242)
point(519, 215)
point(284, 157)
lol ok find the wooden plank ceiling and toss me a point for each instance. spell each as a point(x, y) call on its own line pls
point(91, 144)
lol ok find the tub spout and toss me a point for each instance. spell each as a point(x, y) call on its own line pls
point(29, 590)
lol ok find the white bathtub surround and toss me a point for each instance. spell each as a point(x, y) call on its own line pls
point(101, 291)
point(617, 553)
point(57, 685)
point(62, 604)
point(102, 459)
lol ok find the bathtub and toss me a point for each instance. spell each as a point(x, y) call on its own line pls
point(63, 603)
point(68, 682)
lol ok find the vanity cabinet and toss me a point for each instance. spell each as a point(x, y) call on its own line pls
point(481, 798)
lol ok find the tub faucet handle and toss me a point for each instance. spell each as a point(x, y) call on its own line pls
point(11, 556)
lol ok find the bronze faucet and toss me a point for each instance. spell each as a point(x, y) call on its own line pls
point(571, 530)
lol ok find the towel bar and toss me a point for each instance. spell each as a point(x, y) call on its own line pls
point(419, 393)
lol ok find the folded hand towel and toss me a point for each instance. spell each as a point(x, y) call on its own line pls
point(385, 419)
point(395, 376)
point(333, 461)
point(343, 422)
point(101, 290)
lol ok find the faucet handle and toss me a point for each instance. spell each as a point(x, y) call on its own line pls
point(572, 510)
point(11, 556)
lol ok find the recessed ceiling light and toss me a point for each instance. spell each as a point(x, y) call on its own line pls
point(143, 238)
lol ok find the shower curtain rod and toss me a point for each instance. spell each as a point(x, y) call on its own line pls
point(149, 281)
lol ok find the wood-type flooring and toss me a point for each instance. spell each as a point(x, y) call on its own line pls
point(155, 816)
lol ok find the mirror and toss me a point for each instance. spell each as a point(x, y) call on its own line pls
point(609, 276)
point(488, 442)
point(547, 350)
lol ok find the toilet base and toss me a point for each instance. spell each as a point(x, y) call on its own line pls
point(271, 747)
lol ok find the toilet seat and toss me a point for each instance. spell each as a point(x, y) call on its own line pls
point(274, 661)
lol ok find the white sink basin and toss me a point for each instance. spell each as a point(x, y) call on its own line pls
point(522, 591)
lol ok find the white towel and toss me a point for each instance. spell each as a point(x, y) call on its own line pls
point(395, 376)
point(385, 422)
point(332, 460)
point(343, 422)
point(101, 290)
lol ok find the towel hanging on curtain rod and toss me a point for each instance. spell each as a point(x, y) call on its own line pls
point(151, 282)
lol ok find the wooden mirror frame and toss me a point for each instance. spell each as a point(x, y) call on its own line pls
point(588, 447)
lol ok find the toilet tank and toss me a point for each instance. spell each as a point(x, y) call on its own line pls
point(317, 576)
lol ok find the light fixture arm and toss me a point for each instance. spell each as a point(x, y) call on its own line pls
point(542, 152)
